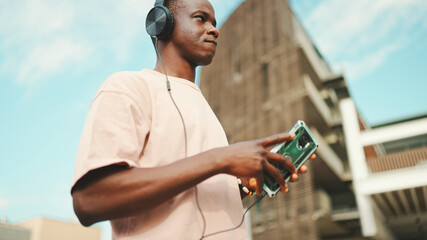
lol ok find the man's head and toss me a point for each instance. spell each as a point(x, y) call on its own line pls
point(173, 5)
point(194, 37)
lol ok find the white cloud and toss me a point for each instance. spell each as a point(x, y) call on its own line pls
point(23, 22)
point(364, 66)
point(34, 39)
point(337, 24)
point(47, 59)
point(361, 34)
point(40, 38)
point(118, 24)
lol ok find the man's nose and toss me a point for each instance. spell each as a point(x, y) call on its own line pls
point(213, 31)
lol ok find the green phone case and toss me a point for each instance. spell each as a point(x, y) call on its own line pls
point(298, 150)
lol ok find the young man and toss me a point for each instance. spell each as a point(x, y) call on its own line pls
point(153, 178)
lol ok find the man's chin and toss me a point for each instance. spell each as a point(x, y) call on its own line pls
point(206, 61)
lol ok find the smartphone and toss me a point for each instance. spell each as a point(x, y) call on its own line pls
point(298, 150)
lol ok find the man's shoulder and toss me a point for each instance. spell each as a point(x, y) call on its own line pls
point(133, 84)
point(124, 80)
point(128, 80)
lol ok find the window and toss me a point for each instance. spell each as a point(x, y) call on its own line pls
point(265, 81)
point(237, 75)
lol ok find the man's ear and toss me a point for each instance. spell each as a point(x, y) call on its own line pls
point(160, 22)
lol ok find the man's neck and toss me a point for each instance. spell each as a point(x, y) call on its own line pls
point(175, 64)
point(182, 70)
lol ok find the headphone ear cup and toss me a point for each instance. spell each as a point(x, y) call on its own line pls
point(159, 23)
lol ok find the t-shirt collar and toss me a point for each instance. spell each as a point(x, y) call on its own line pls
point(174, 79)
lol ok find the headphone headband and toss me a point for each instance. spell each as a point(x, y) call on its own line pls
point(159, 3)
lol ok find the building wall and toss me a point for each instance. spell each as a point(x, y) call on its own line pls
point(47, 229)
point(256, 87)
point(10, 232)
point(390, 189)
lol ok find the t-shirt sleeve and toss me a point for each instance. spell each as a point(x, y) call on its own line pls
point(114, 133)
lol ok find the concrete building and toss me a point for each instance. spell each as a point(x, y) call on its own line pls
point(11, 232)
point(48, 229)
point(266, 75)
point(390, 186)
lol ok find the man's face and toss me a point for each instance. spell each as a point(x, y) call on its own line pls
point(195, 33)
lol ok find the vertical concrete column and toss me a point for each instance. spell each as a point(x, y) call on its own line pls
point(358, 166)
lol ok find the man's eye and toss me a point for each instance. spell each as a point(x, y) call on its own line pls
point(201, 18)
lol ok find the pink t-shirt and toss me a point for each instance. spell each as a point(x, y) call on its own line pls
point(132, 120)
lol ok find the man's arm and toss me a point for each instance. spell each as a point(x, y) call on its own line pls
point(115, 192)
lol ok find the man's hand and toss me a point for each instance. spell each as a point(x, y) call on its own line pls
point(251, 183)
point(250, 159)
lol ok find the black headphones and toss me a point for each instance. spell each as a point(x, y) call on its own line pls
point(160, 21)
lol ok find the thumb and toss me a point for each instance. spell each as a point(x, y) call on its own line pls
point(278, 138)
point(252, 183)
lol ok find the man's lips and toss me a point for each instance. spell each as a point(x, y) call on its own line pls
point(212, 41)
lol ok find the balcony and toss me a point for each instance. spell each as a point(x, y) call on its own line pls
point(391, 190)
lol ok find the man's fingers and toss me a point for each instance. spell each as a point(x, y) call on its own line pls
point(278, 138)
point(313, 156)
point(285, 188)
point(294, 177)
point(302, 169)
point(252, 183)
point(281, 160)
point(275, 173)
point(259, 183)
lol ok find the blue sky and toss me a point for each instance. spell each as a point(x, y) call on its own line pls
point(55, 54)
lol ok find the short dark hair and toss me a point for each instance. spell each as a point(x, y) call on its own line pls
point(173, 5)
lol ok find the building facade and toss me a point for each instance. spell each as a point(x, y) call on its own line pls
point(11, 232)
point(390, 186)
point(49, 229)
point(266, 75)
